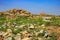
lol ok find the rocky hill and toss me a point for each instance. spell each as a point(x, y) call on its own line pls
point(17, 24)
point(19, 12)
point(14, 13)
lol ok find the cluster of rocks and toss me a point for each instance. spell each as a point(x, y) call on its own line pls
point(29, 31)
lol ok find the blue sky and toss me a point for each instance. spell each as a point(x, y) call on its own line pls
point(33, 6)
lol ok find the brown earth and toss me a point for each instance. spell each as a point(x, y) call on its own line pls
point(56, 30)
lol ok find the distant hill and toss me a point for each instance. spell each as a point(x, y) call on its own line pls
point(20, 12)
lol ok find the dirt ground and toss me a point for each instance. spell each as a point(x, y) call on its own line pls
point(54, 29)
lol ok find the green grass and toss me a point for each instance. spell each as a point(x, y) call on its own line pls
point(26, 20)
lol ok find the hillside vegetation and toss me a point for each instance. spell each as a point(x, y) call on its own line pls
point(23, 25)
